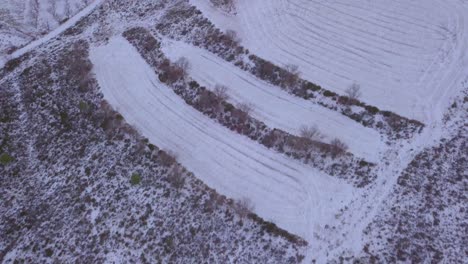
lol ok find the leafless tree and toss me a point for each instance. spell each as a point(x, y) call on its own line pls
point(247, 108)
point(183, 64)
point(221, 92)
point(232, 36)
point(354, 91)
point(293, 75)
point(310, 132)
point(338, 147)
point(243, 207)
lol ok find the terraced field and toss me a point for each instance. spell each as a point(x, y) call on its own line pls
point(292, 195)
point(160, 62)
point(402, 54)
point(273, 106)
point(398, 57)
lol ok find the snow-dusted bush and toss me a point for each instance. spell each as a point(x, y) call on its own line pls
point(225, 5)
point(311, 132)
point(243, 207)
point(221, 91)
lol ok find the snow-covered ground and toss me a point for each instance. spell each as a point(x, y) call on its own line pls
point(274, 106)
point(296, 197)
point(24, 21)
point(405, 55)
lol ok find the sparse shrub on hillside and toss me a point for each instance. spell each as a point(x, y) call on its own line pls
point(135, 179)
point(5, 159)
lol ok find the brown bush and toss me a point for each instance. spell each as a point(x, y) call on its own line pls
point(183, 64)
point(208, 100)
point(267, 70)
point(171, 72)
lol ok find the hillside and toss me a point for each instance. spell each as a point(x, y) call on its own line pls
point(200, 131)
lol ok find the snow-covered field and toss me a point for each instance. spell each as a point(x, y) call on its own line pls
point(294, 196)
point(275, 107)
point(405, 55)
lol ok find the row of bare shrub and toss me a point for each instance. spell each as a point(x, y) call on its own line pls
point(187, 23)
point(214, 103)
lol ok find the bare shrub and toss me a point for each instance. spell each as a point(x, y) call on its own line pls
point(243, 111)
point(299, 143)
point(311, 132)
point(292, 76)
point(354, 91)
point(245, 107)
point(176, 177)
point(221, 92)
point(171, 72)
point(208, 100)
point(232, 36)
point(167, 158)
point(243, 207)
point(183, 64)
point(267, 70)
point(338, 147)
point(225, 5)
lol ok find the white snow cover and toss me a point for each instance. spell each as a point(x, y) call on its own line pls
point(54, 33)
point(405, 54)
point(275, 107)
point(294, 196)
